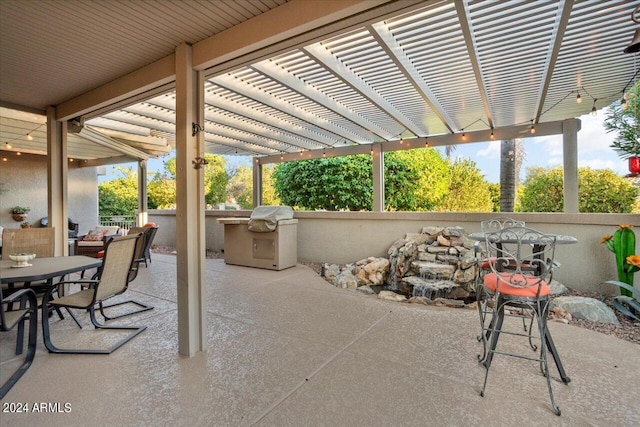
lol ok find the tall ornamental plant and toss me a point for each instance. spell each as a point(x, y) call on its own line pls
point(623, 245)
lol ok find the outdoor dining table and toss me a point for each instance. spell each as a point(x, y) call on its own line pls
point(45, 269)
point(560, 240)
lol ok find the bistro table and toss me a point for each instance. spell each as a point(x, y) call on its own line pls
point(560, 240)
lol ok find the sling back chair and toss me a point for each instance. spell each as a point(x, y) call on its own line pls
point(112, 280)
point(9, 319)
point(138, 258)
point(484, 297)
point(521, 261)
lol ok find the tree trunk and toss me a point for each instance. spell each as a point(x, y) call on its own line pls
point(508, 179)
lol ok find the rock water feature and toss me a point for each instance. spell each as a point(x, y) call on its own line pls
point(439, 266)
point(438, 262)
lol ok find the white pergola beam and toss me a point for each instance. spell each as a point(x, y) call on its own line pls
point(261, 117)
point(257, 94)
point(323, 57)
point(508, 132)
point(388, 43)
point(472, 49)
point(562, 19)
point(279, 74)
point(105, 141)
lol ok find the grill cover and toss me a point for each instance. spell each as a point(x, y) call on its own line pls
point(264, 219)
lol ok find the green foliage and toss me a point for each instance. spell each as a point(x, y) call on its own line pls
point(20, 209)
point(215, 180)
point(599, 190)
point(332, 184)
point(161, 192)
point(119, 196)
point(414, 180)
point(425, 173)
point(625, 122)
point(494, 193)
point(240, 187)
point(269, 195)
point(468, 190)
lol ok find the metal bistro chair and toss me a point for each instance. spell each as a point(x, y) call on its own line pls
point(484, 297)
point(9, 319)
point(112, 280)
point(529, 255)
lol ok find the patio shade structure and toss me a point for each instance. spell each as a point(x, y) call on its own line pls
point(275, 78)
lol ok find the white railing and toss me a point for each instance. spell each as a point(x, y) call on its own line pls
point(125, 222)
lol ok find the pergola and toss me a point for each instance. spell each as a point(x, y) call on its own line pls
point(287, 80)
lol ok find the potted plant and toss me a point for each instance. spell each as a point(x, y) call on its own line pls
point(625, 122)
point(25, 225)
point(20, 213)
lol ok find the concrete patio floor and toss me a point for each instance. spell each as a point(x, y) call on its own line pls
point(286, 348)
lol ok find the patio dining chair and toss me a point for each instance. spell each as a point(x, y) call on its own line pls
point(138, 258)
point(484, 297)
point(39, 241)
point(524, 285)
point(112, 280)
point(9, 319)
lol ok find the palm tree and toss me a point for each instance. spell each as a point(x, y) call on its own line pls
point(512, 156)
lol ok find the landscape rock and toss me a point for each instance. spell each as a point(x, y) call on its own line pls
point(366, 289)
point(391, 296)
point(585, 308)
point(346, 280)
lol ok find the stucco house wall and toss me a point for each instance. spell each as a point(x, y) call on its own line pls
point(25, 184)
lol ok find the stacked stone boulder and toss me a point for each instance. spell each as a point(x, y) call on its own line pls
point(437, 262)
point(371, 271)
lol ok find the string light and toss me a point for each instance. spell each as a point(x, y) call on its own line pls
point(29, 137)
point(533, 128)
point(8, 146)
point(623, 104)
point(578, 98)
point(492, 135)
point(594, 110)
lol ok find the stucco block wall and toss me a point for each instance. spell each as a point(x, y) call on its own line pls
point(25, 184)
point(344, 237)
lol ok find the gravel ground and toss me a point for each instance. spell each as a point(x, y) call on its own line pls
point(627, 330)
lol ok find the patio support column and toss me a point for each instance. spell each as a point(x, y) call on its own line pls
point(57, 175)
point(190, 204)
point(377, 157)
point(143, 214)
point(570, 128)
point(257, 183)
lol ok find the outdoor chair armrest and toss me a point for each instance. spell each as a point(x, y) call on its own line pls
point(18, 295)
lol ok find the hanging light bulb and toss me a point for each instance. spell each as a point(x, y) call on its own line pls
point(533, 128)
point(492, 135)
point(623, 104)
point(578, 98)
point(7, 146)
point(29, 137)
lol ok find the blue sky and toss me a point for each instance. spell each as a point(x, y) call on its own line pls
point(593, 151)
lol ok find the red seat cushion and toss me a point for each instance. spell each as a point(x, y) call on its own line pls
point(532, 283)
point(100, 254)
